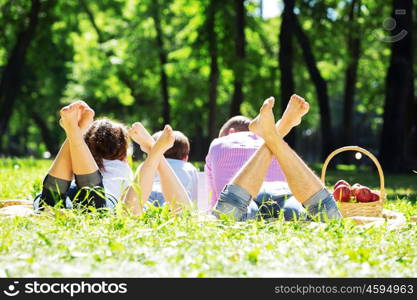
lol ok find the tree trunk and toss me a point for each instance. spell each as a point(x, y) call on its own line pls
point(239, 69)
point(321, 89)
point(411, 131)
point(162, 61)
point(354, 51)
point(11, 78)
point(214, 68)
point(399, 90)
point(286, 60)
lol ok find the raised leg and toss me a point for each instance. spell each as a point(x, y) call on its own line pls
point(303, 183)
point(62, 165)
point(60, 174)
point(172, 189)
point(87, 174)
point(82, 160)
point(251, 175)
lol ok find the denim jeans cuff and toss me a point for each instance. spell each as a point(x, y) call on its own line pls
point(323, 205)
point(241, 193)
point(58, 185)
point(317, 198)
point(89, 180)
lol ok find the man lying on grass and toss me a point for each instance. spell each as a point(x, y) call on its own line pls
point(236, 200)
point(232, 150)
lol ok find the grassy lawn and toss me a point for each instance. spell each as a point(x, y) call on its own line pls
point(74, 244)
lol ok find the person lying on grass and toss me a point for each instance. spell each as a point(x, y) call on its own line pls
point(172, 189)
point(229, 152)
point(94, 152)
point(177, 158)
point(232, 150)
point(236, 199)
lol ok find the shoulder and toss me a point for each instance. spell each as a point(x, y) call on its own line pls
point(185, 165)
point(116, 165)
point(235, 140)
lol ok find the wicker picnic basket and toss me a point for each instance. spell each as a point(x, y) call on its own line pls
point(369, 209)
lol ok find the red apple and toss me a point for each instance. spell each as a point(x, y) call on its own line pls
point(340, 182)
point(342, 193)
point(364, 194)
point(375, 196)
point(354, 189)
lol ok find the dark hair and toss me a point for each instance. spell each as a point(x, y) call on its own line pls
point(239, 123)
point(181, 147)
point(107, 139)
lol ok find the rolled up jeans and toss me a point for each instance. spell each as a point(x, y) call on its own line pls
point(87, 190)
point(236, 202)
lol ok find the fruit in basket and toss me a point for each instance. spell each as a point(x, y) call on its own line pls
point(364, 194)
point(375, 196)
point(341, 182)
point(342, 193)
point(354, 189)
point(356, 193)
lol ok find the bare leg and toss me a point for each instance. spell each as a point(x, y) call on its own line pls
point(57, 182)
point(301, 179)
point(251, 175)
point(172, 188)
point(62, 166)
point(82, 159)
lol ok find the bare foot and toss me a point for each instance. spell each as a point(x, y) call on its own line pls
point(141, 136)
point(86, 117)
point(165, 141)
point(70, 116)
point(264, 124)
point(297, 107)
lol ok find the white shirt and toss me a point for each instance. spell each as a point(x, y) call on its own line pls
point(117, 176)
point(186, 173)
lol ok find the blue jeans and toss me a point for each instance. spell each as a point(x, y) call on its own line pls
point(157, 199)
point(236, 202)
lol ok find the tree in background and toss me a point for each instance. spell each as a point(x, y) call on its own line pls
point(321, 88)
point(239, 63)
point(214, 67)
point(353, 47)
point(109, 54)
point(155, 8)
point(286, 55)
point(11, 77)
point(399, 88)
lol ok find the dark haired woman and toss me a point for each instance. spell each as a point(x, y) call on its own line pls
point(94, 154)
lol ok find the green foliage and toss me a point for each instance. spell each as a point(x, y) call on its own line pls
point(106, 53)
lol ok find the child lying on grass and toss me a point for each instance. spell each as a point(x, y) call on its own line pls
point(94, 153)
point(177, 158)
point(172, 189)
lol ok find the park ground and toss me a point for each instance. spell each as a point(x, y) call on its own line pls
point(116, 245)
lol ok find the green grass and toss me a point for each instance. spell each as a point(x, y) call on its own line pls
point(156, 244)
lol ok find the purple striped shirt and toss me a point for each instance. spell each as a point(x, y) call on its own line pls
point(227, 155)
